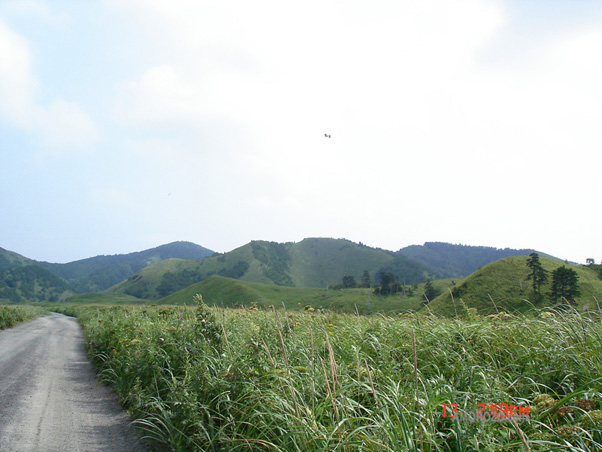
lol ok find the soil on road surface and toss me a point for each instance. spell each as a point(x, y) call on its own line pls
point(49, 397)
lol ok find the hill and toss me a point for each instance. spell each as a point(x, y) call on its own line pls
point(228, 292)
point(505, 282)
point(313, 262)
point(96, 274)
point(23, 279)
point(454, 261)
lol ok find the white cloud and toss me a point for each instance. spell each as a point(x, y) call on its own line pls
point(58, 125)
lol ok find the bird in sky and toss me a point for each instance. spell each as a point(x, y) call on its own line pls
point(326, 135)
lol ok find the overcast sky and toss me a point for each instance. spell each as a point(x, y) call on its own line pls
point(127, 124)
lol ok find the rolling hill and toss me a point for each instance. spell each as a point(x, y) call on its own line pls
point(503, 285)
point(23, 279)
point(454, 261)
point(313, 262)
point(228, 292)
point(96, 274)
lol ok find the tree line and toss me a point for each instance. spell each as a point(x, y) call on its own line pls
point(387, 284)
point(565, 281)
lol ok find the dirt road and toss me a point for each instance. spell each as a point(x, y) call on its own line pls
point(49, 397)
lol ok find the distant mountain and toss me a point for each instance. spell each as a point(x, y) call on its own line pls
point(455, 261)
point(96, 274)
point(23, 279)
point(502, 285)
point(312, 262)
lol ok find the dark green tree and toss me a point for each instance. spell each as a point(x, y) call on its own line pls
point(388, 284)
point(565, 284)
point(538, 275)
point(348, 282)
point(366, 282)
point(429, 291)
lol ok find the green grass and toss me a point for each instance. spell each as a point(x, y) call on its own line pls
point(106, 298)
point(210, 379)
point(228, 292)
point(11, 315)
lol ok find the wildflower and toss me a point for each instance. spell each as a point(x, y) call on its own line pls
point(330, 332)
point(330, 324)
point(297, 323)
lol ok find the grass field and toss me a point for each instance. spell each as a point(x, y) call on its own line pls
point(227, 292)
point(10, 315)
point(210, 379)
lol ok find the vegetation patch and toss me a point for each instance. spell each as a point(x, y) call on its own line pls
point(202, 378)
point(12, 315)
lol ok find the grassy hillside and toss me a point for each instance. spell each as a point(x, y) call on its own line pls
point(105, 298)
point(228, 292)
point(505, 281)
point(454, 261)
point(320, 262)
point(317, 262)
point(98, 273)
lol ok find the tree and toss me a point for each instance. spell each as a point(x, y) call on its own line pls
point(564, 284)
point(429, 291)
point(538, 275)
point(388, 284)
point(348, 281)
point(366, 282)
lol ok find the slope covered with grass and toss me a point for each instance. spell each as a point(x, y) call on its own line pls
point(228, 292)
point(503, 286)
point(318, 262)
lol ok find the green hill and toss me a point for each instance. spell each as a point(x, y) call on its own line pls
point(455, 261)
point(98, 273)
point(228, 292)
point(313, 262)
point(23, 283)
point(503, 284)
point(24, 280)
point(10, 259)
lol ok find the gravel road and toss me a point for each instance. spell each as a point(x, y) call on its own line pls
point(49, 397)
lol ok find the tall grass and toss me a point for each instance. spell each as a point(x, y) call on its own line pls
point(12, 315)
point(246, 380)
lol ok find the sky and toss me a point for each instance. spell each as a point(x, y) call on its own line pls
point(127, 124)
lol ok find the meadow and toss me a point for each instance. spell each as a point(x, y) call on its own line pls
point(197, 378)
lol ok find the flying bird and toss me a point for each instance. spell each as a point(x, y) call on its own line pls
point(326, 135)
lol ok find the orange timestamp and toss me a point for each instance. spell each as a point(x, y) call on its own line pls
point(492, 412)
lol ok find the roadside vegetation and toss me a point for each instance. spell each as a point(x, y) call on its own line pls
point(198, 378)
point(12, 315)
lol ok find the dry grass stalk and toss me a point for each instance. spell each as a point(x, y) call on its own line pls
point(330, 396)
point(333, 364)
point(371, 384)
